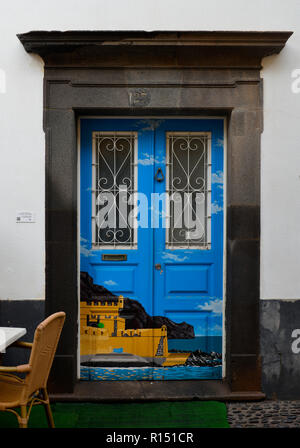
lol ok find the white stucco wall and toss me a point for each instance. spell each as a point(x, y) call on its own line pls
point(22, 140)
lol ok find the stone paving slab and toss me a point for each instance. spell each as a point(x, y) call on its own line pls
point(264, 414)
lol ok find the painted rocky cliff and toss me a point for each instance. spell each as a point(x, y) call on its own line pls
point(134, 313)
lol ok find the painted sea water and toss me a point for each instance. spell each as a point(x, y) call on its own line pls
point(206, 344)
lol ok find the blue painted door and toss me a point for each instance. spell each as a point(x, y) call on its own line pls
point(163, 251)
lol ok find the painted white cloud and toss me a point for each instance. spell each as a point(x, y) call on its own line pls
point(84, 249)
point(215, 208)
point(216, 306)
point(174, 257)
point(148, 160)
point(110, 283)
point(86, 252)
point(217, 178)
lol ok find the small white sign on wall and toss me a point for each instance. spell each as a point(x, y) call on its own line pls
point(25, 217)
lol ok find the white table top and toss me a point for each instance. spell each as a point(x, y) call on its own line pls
point(8, 335)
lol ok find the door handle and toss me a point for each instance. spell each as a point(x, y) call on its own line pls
point(159, 176)
point(158, 267)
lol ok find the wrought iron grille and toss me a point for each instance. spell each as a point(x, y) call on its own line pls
point(188, 187)
point(114, 170)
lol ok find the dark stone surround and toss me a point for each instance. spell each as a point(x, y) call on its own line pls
point(185, 73)
point(280, 363)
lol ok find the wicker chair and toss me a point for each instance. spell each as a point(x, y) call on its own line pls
point(16, 392)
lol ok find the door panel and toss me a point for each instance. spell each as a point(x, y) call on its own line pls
point(120, 277)
point(186, 279)
point(169, 267)
point(189, 285)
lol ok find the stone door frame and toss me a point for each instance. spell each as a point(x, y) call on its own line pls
point(156, 74)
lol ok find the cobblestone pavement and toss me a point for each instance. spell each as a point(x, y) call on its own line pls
point(264, 414)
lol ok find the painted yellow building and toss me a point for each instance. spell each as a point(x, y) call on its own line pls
point(102, 331)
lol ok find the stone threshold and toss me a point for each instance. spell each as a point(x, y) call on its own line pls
point(126, 391)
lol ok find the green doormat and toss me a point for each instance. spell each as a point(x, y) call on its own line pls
point(187, 414)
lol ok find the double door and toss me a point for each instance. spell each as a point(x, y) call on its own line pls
point(152, 231)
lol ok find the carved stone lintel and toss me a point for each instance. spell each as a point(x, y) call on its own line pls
point(156, 49)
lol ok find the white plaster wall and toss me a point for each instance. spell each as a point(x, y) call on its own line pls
point(22, 253)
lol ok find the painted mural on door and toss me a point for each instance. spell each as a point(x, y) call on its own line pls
point(151, 248)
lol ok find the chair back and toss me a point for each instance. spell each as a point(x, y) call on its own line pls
point(44, 346)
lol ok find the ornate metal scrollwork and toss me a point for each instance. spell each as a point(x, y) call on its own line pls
point(188, 165)
point(114, 181)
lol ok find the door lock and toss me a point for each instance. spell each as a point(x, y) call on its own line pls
point(158, 267)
